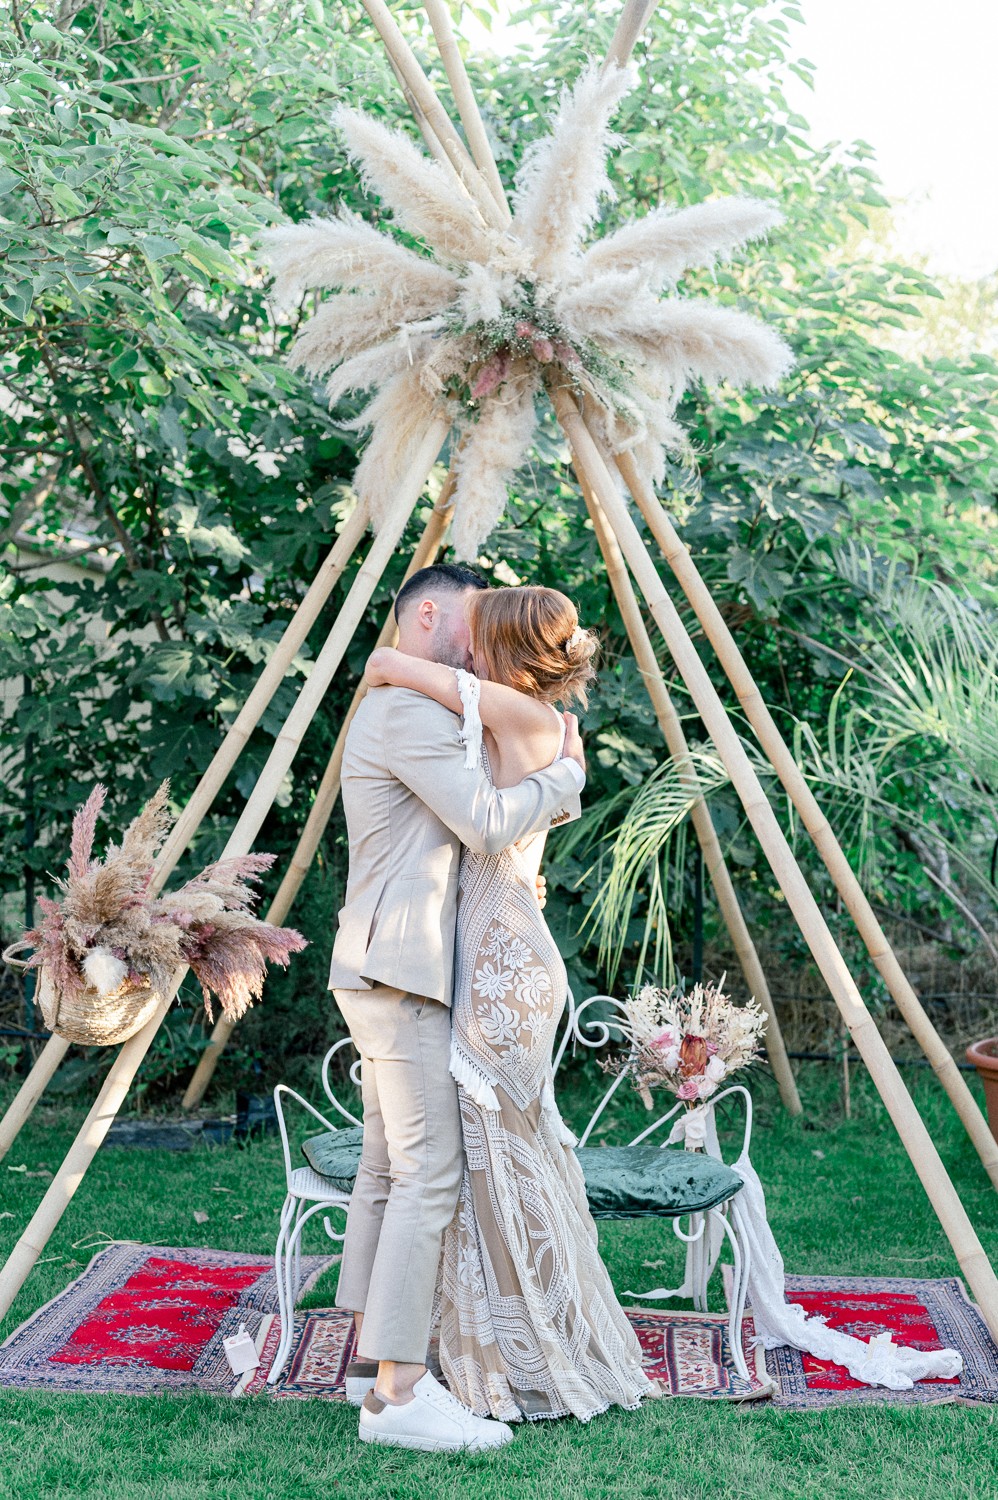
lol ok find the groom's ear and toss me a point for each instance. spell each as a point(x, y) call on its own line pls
point(426, 613)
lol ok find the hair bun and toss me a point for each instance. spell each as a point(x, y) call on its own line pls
point(581, 646)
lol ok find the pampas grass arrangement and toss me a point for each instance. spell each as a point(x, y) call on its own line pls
point(107, 934)
point(471, 326)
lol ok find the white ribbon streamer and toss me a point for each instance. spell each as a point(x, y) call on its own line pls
point(777, 1321)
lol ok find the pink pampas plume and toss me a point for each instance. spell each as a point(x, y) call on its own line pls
point(81, 842)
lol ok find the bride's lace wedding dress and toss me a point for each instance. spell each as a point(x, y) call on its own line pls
point(529, 1323)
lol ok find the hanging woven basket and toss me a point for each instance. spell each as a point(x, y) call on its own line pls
point(89, 1018)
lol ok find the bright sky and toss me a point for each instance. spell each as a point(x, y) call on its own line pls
point(916, 80)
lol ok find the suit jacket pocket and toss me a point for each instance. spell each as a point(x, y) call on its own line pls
point(411, 945)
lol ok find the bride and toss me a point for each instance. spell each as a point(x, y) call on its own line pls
point(529, 1323)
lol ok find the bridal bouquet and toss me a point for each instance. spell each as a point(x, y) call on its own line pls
point(688, 1043)
point(108, 939)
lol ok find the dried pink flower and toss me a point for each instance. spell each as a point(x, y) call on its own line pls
point(565, 353)
point(490, 376)
point(664, 1040)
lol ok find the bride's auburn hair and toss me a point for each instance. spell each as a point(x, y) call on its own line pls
point(529, 638)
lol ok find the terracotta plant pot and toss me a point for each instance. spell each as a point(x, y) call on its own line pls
point(984, 1056)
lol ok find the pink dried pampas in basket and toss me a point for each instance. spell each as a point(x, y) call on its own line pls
point(108, 951)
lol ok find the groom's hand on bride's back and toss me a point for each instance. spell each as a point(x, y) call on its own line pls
point(573, 741)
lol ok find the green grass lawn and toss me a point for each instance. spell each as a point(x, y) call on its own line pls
point(842, 1199)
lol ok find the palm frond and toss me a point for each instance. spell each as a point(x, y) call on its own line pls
point(650, 831)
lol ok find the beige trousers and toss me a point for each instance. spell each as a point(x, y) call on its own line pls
point(410, 1170)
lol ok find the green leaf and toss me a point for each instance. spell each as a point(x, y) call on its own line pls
point(155, 246)
point(153, 384)
point(44, 31)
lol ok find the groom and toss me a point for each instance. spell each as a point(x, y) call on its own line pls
point(410, 805)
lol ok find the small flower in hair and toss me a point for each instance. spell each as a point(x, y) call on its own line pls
point(575, 639)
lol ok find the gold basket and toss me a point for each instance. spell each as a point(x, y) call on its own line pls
point(90, 1019)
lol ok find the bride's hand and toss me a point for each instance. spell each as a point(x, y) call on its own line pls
point(376, 672)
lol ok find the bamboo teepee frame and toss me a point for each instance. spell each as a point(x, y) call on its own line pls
point(626, 557)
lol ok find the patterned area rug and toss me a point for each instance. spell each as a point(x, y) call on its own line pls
point(922, 1314)
point(141, 1320)
point(688, 1352)
point(144, 1320)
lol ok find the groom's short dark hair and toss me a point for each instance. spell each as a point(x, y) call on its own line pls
point(441, 578)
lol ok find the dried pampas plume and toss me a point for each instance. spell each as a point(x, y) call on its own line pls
point(563, 176)
point(468, 325)
point(495, 448)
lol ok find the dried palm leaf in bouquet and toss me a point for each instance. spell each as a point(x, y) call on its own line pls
point(108, 950)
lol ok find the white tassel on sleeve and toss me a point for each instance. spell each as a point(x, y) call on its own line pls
point(470, 733)
point(471, 1080)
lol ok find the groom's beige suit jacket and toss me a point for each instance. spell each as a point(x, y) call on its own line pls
point(410, 804)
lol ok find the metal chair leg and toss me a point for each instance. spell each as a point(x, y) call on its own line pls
point(296, 1263)
point(286, 1314)
point(739, 1290)
point(700, 1262)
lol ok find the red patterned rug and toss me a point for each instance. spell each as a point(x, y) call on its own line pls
point(143, 1320)
point(923, 1314)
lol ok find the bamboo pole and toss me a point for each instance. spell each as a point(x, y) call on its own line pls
point(31, 1090)
point(703, 824)
point(21, 1106)
point(325, 799)
point(416, 81)
point(467, 105)
point(814, 820)
point(122, 1072)
point(910, 1127)
point(633, 19)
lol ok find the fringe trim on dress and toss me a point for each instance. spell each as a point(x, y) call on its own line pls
point(472, 1080)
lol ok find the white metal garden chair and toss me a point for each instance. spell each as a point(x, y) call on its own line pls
point(708, 1228)
point(308, 1194)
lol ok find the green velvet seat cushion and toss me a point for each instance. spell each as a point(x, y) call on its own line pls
point(630, 1182)
point(622, 1182)
point(336, 1154)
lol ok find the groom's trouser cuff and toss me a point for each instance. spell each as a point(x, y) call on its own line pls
point(409, 1178)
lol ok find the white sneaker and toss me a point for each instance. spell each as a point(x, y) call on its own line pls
point(433, 1420)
